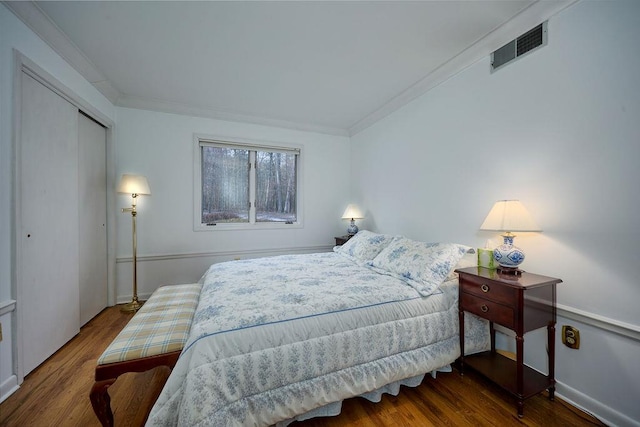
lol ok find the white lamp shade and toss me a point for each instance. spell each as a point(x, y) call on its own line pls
point(509, 215)
point(134, 184)
point(352, 212)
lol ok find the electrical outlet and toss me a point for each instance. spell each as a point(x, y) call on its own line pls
point(570, 337)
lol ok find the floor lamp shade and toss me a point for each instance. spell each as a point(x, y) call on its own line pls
point(136, 185)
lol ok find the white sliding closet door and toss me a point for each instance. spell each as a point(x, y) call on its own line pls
point(48, 235)
point(92, 192)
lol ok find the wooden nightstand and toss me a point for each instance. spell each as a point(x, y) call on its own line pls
point(521, 303)
point(343, 239)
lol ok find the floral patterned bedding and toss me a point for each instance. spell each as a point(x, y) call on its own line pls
point(276, 337)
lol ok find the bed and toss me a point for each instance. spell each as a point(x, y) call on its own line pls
point(287, 338)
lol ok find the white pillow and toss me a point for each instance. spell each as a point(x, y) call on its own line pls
point(422, 265)
point(364, 246)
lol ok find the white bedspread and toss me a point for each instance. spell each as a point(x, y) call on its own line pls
point(276, 337)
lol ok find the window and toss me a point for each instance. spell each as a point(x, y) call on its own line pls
point(276, 177)
point(225, 185)
point(245, 185)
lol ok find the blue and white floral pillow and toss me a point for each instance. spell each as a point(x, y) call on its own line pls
point(422, 265)
point(364, 246)
point(470, 259)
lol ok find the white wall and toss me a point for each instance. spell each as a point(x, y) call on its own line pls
point(565, 117)
point(15, 35)
point(557, 129)
point(160, 146)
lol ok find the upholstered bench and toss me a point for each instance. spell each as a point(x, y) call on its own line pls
point(154, 337)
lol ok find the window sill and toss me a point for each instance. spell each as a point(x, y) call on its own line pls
point(248, 226)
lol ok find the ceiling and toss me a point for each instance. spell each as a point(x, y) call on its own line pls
point(333, 67)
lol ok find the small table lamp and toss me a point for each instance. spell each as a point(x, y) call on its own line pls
point(508, 216)
point(136, 185)
point(352, 212)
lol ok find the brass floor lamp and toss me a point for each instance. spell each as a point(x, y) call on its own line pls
point(136, 185)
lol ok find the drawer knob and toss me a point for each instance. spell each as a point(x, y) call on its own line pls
point(485, 288)
point(484, 308)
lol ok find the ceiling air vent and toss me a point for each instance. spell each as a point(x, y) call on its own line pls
point(529, 41)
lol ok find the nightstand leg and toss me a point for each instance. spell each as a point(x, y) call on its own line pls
point(492, 334)
point(461, 333)
point(520, 408)
point(551, 344)
point(520, 374)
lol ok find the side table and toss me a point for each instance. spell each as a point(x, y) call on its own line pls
point(522, 303)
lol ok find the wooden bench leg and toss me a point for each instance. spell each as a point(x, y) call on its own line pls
point(101, 401)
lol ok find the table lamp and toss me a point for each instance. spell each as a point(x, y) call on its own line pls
point(508, 216)
point(352, 212)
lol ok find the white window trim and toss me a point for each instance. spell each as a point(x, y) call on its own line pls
point(249, 143)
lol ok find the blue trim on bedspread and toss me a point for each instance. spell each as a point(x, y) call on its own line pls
point(296, 318)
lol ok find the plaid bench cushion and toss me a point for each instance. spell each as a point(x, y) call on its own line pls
point(161, 326)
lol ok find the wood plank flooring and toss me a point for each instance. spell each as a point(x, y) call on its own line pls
point(57, 394)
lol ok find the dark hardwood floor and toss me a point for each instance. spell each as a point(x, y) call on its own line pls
point(57, 394)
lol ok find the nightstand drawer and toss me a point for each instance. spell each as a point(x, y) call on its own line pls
point(485, 288)
point(489, 310)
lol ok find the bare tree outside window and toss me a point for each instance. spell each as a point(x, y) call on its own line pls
point(275, 187)
point(228, 182)
point(225, 185)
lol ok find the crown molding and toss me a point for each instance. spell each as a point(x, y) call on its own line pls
point(29, 13)
point(38, 21)
point(211, 113)
point(527, 18)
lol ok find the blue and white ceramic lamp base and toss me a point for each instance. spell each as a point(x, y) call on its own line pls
point(508, 256)
point(353, 228)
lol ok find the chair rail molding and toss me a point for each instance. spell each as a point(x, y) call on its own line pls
point(241, 253)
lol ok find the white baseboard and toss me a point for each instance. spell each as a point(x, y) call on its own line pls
point(123, 299)
point(607, 415)
point(8, 387)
